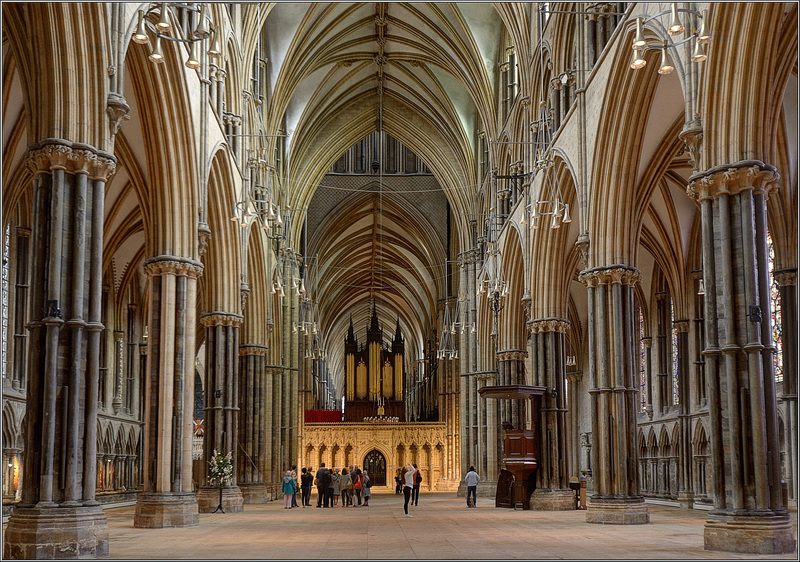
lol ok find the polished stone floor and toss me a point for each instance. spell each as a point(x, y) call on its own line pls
point(441, 528)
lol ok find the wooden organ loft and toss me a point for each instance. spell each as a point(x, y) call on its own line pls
point(373, 374)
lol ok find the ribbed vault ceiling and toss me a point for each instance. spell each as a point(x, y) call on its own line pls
point(421, 72)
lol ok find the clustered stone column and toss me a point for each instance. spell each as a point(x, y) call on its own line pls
point(748, 514)
point(685, 470)
point(167, 499)
point(58, 512)
point(787, 282)
point(480, 437)
point(221, 411)
point(613, 393)
point(549, 370)
point(511, 370)
point(253, 411)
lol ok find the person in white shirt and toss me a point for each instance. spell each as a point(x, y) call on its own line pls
point(472, 480)
point(407, 477)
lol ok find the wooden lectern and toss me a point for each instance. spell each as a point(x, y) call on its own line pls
point(519, 449)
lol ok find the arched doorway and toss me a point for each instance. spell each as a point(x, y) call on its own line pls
point(375, 465)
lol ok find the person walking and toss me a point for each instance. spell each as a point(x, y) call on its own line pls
point(407, 475)
point(305, 486)
point(346, 487)
point(398, 484)
point(289, 489)
point(365, 488)
point(417, 482)
point(472, 480)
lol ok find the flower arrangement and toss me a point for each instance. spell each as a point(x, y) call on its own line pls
point(221, 469)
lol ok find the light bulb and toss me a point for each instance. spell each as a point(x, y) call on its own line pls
point(639, 41)
point(638, 59)
point(163, 21)
point(699, 53)
point(193, 61)
point(566, 218)
point(675, 25)
point(704, 33)
point(140, 35)
point(202, 30)
point(665, 67)
point(215, 50)
point(158, 54)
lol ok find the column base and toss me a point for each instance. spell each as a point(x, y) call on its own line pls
point(686, 500)
point(553, 500)
point(157, 510)
point(56, 533)
point(255, 492)
point(753, 534)
point(619, 510)
point(208, 499)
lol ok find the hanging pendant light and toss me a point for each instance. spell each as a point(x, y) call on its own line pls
point(639, 41)
point(202, 31)
point(158, 54)
point(215, 50)
point(702, 289)
point(704, 33)
point(566, 218)
point(163, 24)
point(699, 53)
point(193, 61)
point(638, 59)
point(140, 35)
point(675, 26)
point(665, 67)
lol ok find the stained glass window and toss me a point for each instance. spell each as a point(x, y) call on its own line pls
point(6, 245)
point(774, 295)
point(675, 399)
point(642, 362)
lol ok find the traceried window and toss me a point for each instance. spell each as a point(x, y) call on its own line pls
point(6, 247)
point(775, 298)
point(675, 399)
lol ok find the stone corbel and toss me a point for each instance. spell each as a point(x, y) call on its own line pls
point(117, 109)
point(692, 137)
point(245, 293)
point(203, 236)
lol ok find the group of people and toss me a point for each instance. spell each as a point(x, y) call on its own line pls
point(351, 484)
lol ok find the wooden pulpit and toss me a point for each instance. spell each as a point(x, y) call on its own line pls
point(518, 480)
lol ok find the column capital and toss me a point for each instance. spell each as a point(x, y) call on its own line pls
point(554, 324)
point(173, 264)
point(253, 349)
point(732, 179)
point(786, 277)
point(217, 318)
point(681, 325)
point(648, 341)
point(512, 354)
point(73, 157)
point(617, 273)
